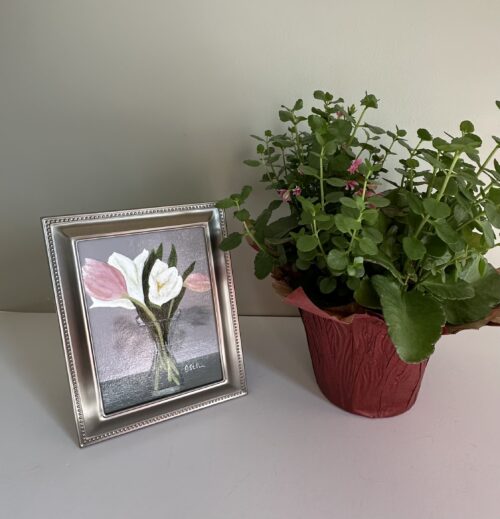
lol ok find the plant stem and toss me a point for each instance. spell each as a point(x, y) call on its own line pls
point(322, 250)
point(440, 193)
point(321, 186)
point(412, 154)
point(472, 220)
point(361, 212)
point(250, 234)
point(358, 122)
point(488, 158)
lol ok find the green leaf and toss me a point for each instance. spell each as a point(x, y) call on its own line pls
point(378, 201)
point(285, 116)
point(263, 265)
point(493, 214)
point(308, 170)
point(328, 285)
point(368, 246)
point(337, 259)
point(252, 163)
point(371, 216)
point(381, 259)
point(487, 296)
point(299, 104)
point(335, 182)
point(154, 255)
point(488, 232)
point(172, 257)
point(436, 247)
point(316, 122)
point(348, 202)
point(424, 134)
point(340, 129)
point(374, 129)
point(242, 215)
point(226, 203)
point(319, 94)
point(346, 224)
point(414, 319)
point(370, 101)
point(340, 242)
point(494, 195)
point(466, 127)
point(415, 203)
point(446, 232)
point(330, 148)
point(414, 248)
point(307, 242)
point(366, 295)
point(450, 289)
point(281, 227)
point(231, 242)
point(436, 209)
point(374, 234)
point(245, 192)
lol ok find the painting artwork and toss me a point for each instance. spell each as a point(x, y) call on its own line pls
point(152, 318)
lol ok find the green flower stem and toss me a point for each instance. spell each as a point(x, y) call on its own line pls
point(358, 122)
point(440, 193)
point(150, 314)
point(168, 365)
point(321, 182)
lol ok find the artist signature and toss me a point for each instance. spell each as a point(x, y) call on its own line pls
point(193, 366)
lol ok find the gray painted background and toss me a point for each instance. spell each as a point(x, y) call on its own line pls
point(118, 351)
point(115, 104)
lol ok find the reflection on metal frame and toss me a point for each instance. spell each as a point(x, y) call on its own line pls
point(61, 235)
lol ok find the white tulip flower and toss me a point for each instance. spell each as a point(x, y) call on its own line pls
point(165, 283)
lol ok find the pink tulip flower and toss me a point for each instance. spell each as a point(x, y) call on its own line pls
point(354, 166)
point(102, 281)
point(197, 282)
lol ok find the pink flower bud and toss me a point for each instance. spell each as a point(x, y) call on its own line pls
point(354, 166)
point(102, 281)
point(285, 195)
point(197, 282)
point(351, 185)
point(297, 191)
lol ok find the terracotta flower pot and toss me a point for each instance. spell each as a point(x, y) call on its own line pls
point(355, 362)
point(357, 367)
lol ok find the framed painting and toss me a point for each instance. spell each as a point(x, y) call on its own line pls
point(147, 314)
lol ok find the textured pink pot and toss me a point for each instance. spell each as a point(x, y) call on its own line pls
point(355, 362)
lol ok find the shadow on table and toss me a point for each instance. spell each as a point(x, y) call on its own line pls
point(287, 358)
point(35, 355)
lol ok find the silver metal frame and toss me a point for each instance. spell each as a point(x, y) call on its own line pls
point(61, 235)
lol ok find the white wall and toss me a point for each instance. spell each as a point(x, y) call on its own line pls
point(111, 104)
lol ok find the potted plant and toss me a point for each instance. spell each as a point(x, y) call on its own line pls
point(380, 243)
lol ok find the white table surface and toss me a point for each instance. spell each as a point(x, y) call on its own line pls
point(283, 451)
